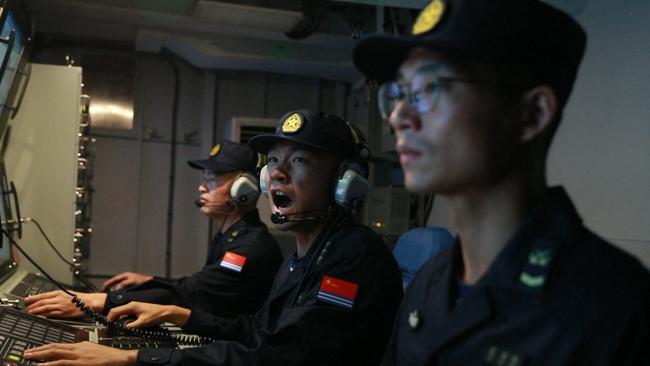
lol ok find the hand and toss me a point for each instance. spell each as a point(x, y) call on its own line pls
point(150, 314)
point(81, 354)
point(58, 304)
point(125, 279)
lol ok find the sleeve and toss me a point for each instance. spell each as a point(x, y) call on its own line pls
point(314, 331)
point(216, 288)
point(153, 291)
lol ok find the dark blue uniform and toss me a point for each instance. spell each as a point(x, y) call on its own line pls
point(556, 295)
point(312, 316)
point(218, 288)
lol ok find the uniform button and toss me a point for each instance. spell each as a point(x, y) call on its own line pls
point(119, 297)
point(415, 317)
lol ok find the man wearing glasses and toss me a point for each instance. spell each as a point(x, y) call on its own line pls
point(474, 96)
point(242, 257)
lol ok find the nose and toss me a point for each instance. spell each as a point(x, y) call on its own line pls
point(203, 188)
point(404, 116)
point(278, 174)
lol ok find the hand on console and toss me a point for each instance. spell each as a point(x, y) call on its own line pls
point(58, 304)
point(150, 314)
point(125, 279)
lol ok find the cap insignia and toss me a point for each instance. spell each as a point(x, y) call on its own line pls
point(215, 150)
point(292, 124)
point(429, 17)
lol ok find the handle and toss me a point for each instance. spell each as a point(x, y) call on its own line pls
point(27, 75)
point(19, 223)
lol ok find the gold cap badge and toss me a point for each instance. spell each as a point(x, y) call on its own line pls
point(429, 17)
point(215, 150)
point(292, 124)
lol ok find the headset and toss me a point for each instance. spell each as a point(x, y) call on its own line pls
point(244, 190)
point(350, 187)
point(351, 184)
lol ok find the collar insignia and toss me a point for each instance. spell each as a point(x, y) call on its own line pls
point(539, 257)
point(292, 124)
point(429, 17)
point(414, 319)
point(215, 150)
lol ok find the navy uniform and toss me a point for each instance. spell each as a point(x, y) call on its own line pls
point(240, 264)
point(556, 295)
point(218, 288)
point(334, 306)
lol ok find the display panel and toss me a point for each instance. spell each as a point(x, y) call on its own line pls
point(6, 259)
point(14, 46)
point(9, 27)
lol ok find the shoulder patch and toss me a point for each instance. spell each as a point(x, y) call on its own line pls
point(338, 292)
point(233, 262)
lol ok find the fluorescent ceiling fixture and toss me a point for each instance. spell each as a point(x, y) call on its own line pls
point(246, 16)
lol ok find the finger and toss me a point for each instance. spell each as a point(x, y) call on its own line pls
point(138, 323)
point(54, 351)
point(47, 302)
point(45, 295)
point(50, 310)
point(40, 306)
point(118, 312)
point(122, 285)
point(115, 279)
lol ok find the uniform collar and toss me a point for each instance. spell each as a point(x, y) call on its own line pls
point(548, 225)
point(251, 218)
point(552, 223)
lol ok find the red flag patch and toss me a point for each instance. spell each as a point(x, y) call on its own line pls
point(233, 261)
point(338, 292)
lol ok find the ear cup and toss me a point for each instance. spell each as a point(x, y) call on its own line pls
point(264, 174)
point(352, 186)
point(244, 189)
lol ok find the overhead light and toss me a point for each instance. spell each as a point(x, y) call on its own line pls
point(246, 16)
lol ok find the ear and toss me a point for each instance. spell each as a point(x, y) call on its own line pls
point(540, 110)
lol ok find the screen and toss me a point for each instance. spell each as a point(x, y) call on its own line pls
point(6, 259)
point(14, 57)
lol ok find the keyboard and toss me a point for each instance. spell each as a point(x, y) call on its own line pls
point(20, 331)
point(33, 284)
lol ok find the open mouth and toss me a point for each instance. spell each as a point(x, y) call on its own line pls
point(281, 200)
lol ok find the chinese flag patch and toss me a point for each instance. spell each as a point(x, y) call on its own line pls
point(233, 261)
point(338, 292)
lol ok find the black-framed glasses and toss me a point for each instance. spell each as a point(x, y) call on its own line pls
point(422, 97)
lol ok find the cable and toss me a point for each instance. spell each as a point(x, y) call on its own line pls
point(50, 242)
point(162, 336)
point(320, 241)
point(89, 285)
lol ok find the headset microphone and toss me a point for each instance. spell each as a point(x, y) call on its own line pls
point(197, 203)
point(278, 218)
